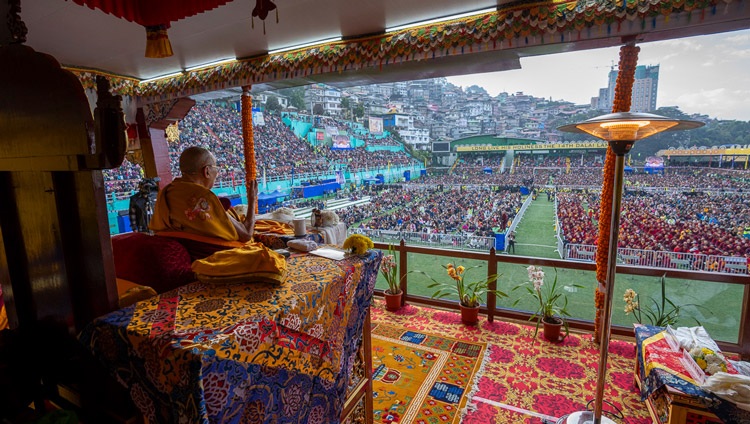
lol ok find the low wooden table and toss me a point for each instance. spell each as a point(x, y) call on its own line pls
point(672, 395)
point(671, 406)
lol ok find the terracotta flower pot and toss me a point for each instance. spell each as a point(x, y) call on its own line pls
point(552, 329)
point(469, 315)
point(393, 301)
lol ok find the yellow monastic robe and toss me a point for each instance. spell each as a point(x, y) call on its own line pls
point(251, 262)
point(191, 208)
point(276, 227)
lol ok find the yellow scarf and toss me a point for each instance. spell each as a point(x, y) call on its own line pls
point(251, 262)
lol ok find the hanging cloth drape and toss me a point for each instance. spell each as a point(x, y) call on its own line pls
point(155, 15)
point(621, 103)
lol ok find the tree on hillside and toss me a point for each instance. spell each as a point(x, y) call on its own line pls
point(296, 96)
point(572, 119)
point(346, 107)
point(272, 104)
point(318, 109)
point(359, 110)
point(475, 89)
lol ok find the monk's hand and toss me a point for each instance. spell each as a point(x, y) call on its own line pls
point(252, 196)
point(252, 202)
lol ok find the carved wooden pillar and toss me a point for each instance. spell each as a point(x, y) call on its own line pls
point(151, 122)
point(56, 266)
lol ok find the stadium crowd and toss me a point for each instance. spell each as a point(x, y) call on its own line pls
point(684, 209)
point(698, 223)
point(431, 209)
point(278, 150)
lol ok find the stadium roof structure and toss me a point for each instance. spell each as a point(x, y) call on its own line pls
point(225, 47)
point(492, 143)
point(705, 151)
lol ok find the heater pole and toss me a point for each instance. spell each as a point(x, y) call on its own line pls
point(614, 230)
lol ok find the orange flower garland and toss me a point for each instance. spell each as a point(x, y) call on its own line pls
point(621, 103)
point(248, 142)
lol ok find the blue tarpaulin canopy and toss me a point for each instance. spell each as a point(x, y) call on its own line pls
point(265, 200)
point(270, 196)
point(316, 190)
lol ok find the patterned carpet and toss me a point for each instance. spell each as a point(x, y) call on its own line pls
point(524, 380)
point(420, 377)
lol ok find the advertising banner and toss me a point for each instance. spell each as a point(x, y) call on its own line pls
point(332, 131)
point(341, 142)
point(539, 147)
point(258, 117)
point(376, 125)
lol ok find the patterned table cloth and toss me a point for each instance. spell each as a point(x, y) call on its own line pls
point(243, 353)
point(659, 365)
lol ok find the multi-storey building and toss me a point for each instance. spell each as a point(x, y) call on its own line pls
point(328, 97)
point(644, 90)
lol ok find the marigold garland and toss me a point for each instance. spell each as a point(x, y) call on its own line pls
point(248, 142)
point(621, 103)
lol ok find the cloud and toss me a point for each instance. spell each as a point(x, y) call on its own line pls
point(703, 74)
point(722, 103)
point(739, 38)
point(683, 44)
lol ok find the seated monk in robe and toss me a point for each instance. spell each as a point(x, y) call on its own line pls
point(188, 204)
point(218, 242)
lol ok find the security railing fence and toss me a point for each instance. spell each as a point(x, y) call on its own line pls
point(451, 241)
point(664, 259)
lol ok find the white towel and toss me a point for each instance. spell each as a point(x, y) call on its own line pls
point(690, 337)
point(302, 245)
point(333, 235)
point(734, 388)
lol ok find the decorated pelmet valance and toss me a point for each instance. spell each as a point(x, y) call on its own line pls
point(522, 26)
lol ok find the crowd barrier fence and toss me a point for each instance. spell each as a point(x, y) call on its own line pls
point(451, 241)
point(664, 259)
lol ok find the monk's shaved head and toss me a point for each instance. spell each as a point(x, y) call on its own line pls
point(193, 159)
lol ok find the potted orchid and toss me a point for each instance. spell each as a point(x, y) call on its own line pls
point(389, 271)
point(659, 313)
point(470, 294)
point(552, 311)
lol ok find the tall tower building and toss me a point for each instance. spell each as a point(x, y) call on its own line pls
point(644, 90)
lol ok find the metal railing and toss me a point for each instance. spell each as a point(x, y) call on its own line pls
point(517, 219)
point(452, 241)
point(664, 259)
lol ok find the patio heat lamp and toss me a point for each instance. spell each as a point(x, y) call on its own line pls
point(621, 130)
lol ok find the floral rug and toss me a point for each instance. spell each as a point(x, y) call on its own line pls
point(525, 380)
point(420, 377)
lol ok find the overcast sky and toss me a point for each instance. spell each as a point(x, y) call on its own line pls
point(709, 74)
